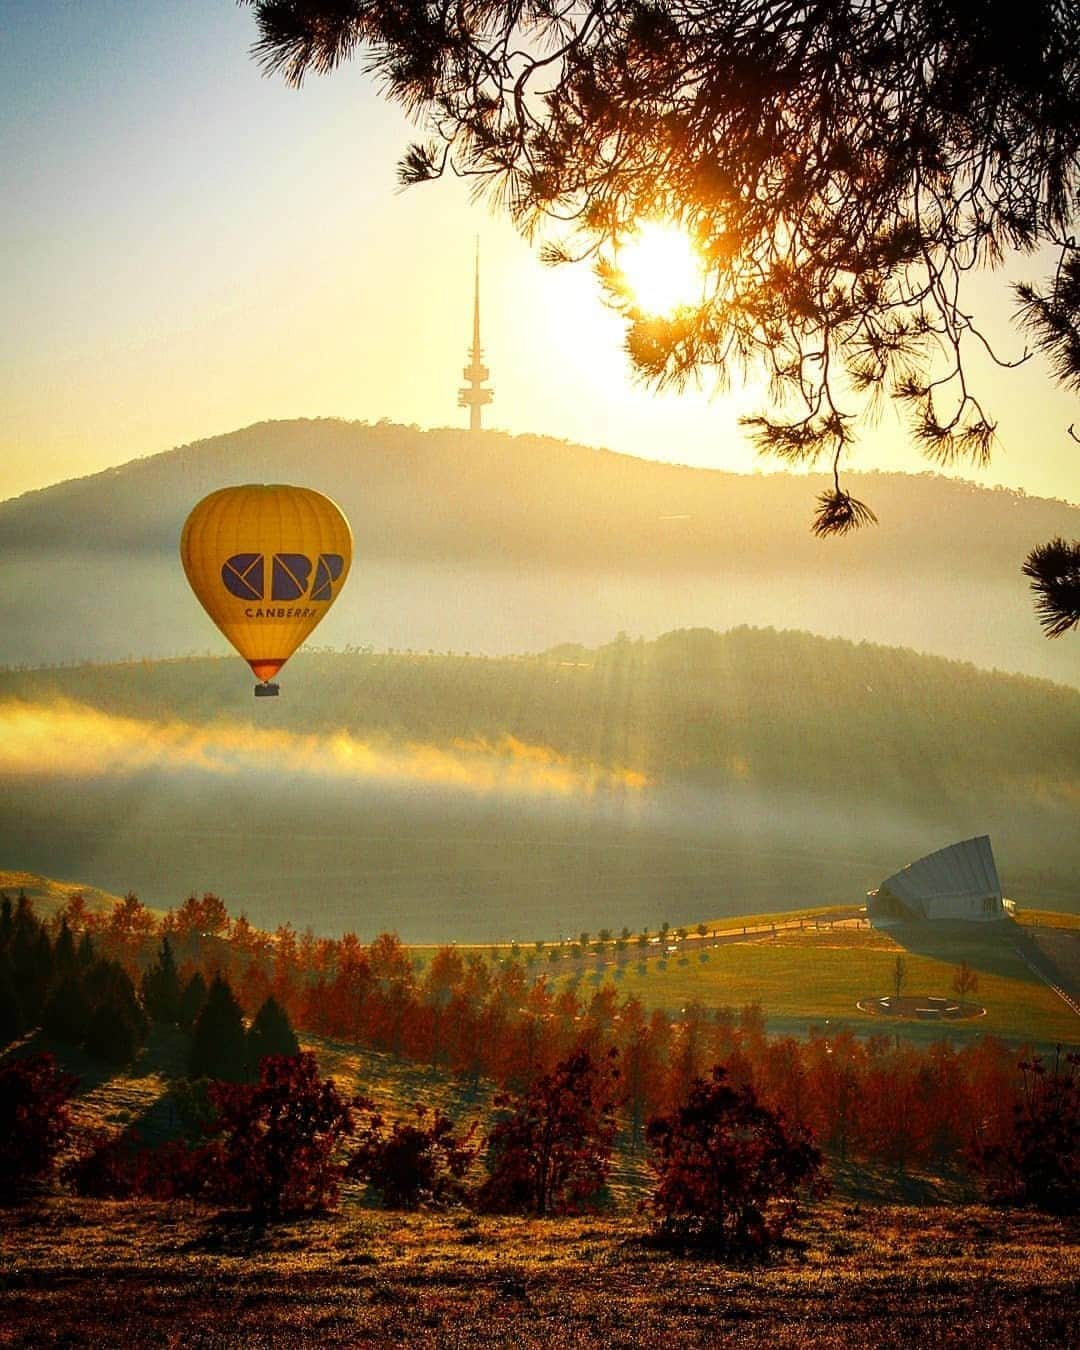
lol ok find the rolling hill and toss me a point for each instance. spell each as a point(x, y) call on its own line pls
point(501, 544)
point(479, 799)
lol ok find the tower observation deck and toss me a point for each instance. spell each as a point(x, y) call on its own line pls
point(474, 395)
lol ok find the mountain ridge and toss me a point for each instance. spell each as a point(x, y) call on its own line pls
point(505, 543)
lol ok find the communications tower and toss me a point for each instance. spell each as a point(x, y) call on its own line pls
point(474, 395)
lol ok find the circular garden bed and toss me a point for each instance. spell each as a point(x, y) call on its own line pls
point(921, 1007)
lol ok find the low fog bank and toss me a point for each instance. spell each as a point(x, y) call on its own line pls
point(437, 862)
point(58, 608)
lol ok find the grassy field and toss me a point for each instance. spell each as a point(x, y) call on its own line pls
point(808, 977)
point(92, 1274)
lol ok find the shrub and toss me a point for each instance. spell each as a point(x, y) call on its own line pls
point(114, 1168)
point(275, 1140)
point(728, 1169)
point(34, 1121)
point(1040, 1165)
point(412, 1164)
point(551, 1152)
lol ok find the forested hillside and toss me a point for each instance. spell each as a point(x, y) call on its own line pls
point(454, 796)
point(751, 707)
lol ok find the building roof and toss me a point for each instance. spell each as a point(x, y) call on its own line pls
point(962, 871)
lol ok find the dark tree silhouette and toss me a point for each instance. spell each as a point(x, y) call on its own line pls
point(117, 1027)
point(218, 1042)
point(411, 1164)
point(1040, 1165)
point(842, 168)
point(12, 1020)
point(34, 1121)
point(67, 1013)
point(192, 1001)
point(728, 1169)
point(277, 1139)
point(161, 987)
point(271, 1033)
point(551, 1152)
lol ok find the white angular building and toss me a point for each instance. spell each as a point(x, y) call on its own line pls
point(957, 882)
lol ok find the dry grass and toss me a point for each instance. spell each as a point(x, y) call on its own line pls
point(82, 1273)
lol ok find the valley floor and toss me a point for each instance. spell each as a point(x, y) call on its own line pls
point(85, 1273)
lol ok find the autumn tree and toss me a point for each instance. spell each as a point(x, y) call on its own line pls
point(34, 1121)
point(411, 1163)
point(965, 980)
point(1040, 1164)
point(550, 1152)
point(843, 170)
point(728, 1169)
point(278, 1140)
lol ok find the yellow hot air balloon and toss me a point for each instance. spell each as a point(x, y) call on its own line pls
point(266, 562)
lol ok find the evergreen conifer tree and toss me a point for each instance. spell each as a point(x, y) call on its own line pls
point(66, 1014)
point(271, 1034)
point(86, 956)
point(161, 987)
point(218, 1043)
point(192, 1001)
point(117, 1026)
point(65, 957)
point(12, 1022)
point(7, 922)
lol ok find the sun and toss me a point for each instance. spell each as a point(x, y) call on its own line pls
point(662, 268)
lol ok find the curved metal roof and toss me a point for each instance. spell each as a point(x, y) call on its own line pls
point(961, 871)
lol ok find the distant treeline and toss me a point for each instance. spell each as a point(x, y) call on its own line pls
point(751, 708)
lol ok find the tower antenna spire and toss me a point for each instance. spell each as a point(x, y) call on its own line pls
point(474, 396)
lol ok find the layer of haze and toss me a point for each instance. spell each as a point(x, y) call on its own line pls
point(189, 247)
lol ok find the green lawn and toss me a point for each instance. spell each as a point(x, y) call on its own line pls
point(805, 978)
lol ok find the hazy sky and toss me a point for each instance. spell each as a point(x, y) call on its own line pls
point(188, 247)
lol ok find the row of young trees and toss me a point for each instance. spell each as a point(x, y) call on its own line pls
point(871, 1099)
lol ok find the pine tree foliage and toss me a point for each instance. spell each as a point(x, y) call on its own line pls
point(161, 987)
point(271, 1033)
point(118, 1026)
point(842, 168)
point(219, 1042)
point(192, 1001)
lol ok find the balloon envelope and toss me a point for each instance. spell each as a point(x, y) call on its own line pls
point(266, 561)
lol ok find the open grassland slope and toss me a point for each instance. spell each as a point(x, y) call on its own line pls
point(86, 1273)
point(802, 978)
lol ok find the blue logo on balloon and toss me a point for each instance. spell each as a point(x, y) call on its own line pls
point(244, 575)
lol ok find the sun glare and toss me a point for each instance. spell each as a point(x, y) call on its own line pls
point(662, 268)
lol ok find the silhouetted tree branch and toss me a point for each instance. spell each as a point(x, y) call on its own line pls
point(842, 166)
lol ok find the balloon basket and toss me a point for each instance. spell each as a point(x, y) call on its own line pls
point(266, 691)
